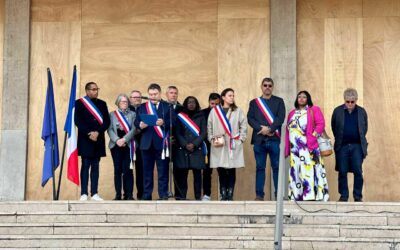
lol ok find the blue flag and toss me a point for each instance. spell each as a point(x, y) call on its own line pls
point(49, 134)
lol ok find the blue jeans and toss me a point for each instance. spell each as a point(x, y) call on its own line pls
point(260, 153)
point(150, 157)
point(91, 163)
point(350, 159)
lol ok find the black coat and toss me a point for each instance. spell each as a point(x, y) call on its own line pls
point(183, 158)
point(86, 123)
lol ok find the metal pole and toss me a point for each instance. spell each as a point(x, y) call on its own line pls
point(170, 165)
point(51, 138)
point(61, 167)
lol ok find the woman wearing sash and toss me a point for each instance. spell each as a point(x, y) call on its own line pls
point(227, 130)
point(122, 147)
point(307, 175)
point(191, 150)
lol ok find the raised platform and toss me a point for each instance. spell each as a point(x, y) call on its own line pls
point(197, 225)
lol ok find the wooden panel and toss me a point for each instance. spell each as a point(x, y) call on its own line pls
point(132, 56)
point(310, 59)
point(243, 9)
point(55, 10)
point(381, 91)
point(383, 8)
point(138, 11)
point(54, 45)
point(329, 8)
point(243, 61)
point(1, 58)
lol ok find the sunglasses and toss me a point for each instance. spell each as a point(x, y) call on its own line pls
point(267, 85)
point(350, 102)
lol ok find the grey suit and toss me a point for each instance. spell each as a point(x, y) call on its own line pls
point(114, 126)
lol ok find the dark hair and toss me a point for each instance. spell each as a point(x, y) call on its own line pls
point(214, 96)
point(172, 87)
point(154, 86)
point(267, 79)
point(186, 102)
point(87, 86)
point(309, 101)
point(223, 93)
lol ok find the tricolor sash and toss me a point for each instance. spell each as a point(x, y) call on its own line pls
point(227, 127)
point(126, 127)
point(92, 109)
point(192, 126)
point(269, 116)
point(151, 110)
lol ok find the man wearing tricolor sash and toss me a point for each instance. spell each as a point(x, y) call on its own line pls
point(92, 120)
point(266, 115)
point(154, 143)
point(122, 146)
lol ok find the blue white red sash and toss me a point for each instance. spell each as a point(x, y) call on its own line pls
point(192, 126)
point(227, 127)
point(92, 109)
point(125, 125)
point(151, 110)
point(269, 116)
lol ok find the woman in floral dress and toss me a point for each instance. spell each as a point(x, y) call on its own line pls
point(307, 175)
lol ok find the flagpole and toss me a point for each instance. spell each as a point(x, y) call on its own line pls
point(61, 167)
point(51, 138)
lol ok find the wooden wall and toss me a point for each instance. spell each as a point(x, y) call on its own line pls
point(204, 46)
point(356, 43)
point(199, 46)
point(1, 56)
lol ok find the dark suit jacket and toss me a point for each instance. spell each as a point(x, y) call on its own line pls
point(86, 123)
point(256, 119)
point(337, 124)
point(149, 136)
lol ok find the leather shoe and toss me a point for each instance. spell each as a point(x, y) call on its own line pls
point(342, 199)
point(258, 198)
point(358, 200)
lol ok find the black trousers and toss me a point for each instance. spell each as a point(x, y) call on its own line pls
point(123, 175)
point(207, 173)
point(181, 184)
point(139, 173)
point(227, 178)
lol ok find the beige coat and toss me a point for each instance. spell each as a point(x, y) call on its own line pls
point(221, 157)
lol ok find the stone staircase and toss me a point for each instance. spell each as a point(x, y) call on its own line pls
point(197, 225)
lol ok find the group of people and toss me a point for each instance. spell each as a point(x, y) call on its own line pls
point(164, 132)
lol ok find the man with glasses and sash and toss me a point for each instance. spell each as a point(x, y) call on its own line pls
point(92, 119)
point(266, 115)
point(154, 143)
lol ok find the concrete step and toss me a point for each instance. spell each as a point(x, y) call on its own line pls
point(195, 217)
point(197, 206)
point(191, 242)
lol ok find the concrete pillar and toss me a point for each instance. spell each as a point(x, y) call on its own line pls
point(13, 147)
point(283, 71)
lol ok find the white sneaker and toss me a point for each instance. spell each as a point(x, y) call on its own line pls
point(84, 197)
point(96, 197)
point(206, 198)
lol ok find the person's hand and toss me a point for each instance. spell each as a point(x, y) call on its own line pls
point(93, 135)
point(315, 134)
point(160, 122)
point(264, 130)
point(121, 142)
point(190, 147)
point(143, 125)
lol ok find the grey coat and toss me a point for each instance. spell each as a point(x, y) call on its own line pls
point(337, 124)
point(114, 126)
point(221, 157)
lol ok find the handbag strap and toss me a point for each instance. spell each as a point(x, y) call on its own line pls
point(323, 134)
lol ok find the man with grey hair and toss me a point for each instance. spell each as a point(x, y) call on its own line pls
point(350, 125)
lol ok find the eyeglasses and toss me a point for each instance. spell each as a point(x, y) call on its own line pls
point(302, 97)
point(123, 101)
point(350, 102)
point(135, 97)
point(268, 85)
point(95, 89)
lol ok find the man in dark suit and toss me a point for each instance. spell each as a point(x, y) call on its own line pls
point(264, 138)
point(153, 147)
point(92, 119)
point(350, 126)
point(213, 100)
point(135, 99)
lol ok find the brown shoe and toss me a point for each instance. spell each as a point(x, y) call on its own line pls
point(258, 198)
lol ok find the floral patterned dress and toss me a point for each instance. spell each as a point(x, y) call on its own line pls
point(307, 175)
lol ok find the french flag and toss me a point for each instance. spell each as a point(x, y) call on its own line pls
point(69, 128)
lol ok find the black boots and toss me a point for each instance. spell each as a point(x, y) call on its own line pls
point(226, 194)
point(229, 194)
